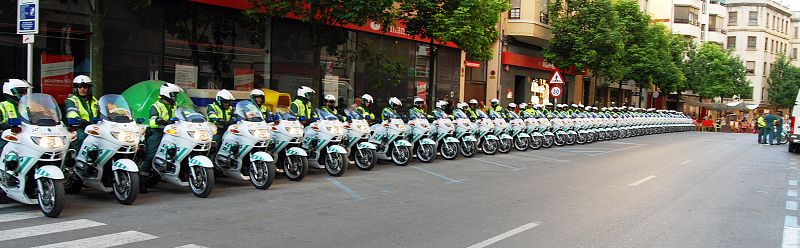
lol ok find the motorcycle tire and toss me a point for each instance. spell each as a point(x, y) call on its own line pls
point(302, 168)
point(51, 207)
point(521, 144)
point(468, 149)
point(535, 143)
point(202, 189)
point(335, 164)
point(559, 141)
point(365, 159)
point(449, 151)
point(425, 153)
point(400, 155)
point(504, 146)
point(581, 138)
point(489, 147)
point(548, 141)
point(126, 196)
point(267, 176)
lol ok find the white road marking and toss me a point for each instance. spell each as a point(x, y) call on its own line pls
point(20, 216)
point(25, 232)
point(104, 241)
point(791, 205)
point(505, 235)
point(499, 164)
point(686, 162)
point(793, 163)
point(449, 180)
point(711, 151)
point(790, 237)
point(793, 182)
point(191, 246)
point(10, 205)
point(790, 221)
point(791, 192)
point(534, 156)
point(617, 150)
point(642, 180)
point(622, 143)
point(353, 194)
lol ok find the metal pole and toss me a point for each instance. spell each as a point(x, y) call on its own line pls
point(30, 67)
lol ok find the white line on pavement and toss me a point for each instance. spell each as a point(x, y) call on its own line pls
point(104, 241)
point(10, 205)
point(790, 221)
point(791, 192)
point(499, 164)
point(711, 151)
point(191, 246)
point(20, 216)
point(449, 180)
point(534, 156)
point(790, 237)
point(623, 143)
point(505, 235)
point(617, 150)
point(642, 180)
point(793, 182)
point(353, 194)
point(25, 232)
point(791, 205)
point(686, 162)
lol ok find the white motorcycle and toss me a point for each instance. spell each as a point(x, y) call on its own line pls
point(501, 128)
point(105, 161)
point(356, 136)
point(521, 139)
point(443, 136)
point(322, 139)
point(487, 140)
point(420, 129)
point(468, 145)
point(284, 144)
point(389, 135)
point(532, 129)
point(38, 141)
point(242, 153)
point(181, 157)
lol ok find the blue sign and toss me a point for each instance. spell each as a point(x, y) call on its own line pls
point(28, 17)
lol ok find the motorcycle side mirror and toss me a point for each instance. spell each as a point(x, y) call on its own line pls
point(95, 120)
point(14, 122)
point(173, 120)
point(234, 119)
point(70, 121)
point(349, 119)
point(276, 117)
point(139, 120)
point(367, 117)
point(303, 118)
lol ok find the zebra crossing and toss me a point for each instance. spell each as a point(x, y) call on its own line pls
point(13, 229)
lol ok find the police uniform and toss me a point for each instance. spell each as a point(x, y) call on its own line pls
point(79, 108)
point(217, 114)
point(155, 132)
point(8, 110)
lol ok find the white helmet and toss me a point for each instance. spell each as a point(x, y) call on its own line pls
point(441, 104)
point(169, 91)
point(367, 98)
point(81, 79)
point(548, 104)
point(330, 98)
point(461, 105)
point(495, 101)
point(473, 101)
point(419, 101)
point(580, 105)
point(394, 102)
point(574, 105)
point(305, 92)
point(11, 88)
point(588, 108)
point(523, 105)
point(224, 95)
point(603, 108)
point(256, 93)
point(512, 105)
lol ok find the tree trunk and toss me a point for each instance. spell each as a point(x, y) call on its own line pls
point(98, 45)
point(432, 75)
point(619, 103)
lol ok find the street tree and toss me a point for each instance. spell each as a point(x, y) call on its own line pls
point(469, 24)
point(712, 71)
point(784, 82)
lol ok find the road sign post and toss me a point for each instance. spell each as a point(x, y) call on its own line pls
point(555, 86)
point(28, 25)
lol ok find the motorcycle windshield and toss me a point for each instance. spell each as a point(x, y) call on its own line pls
point(285, 115)
point(391, 114)
point(39, 109)
point(495, 114)
point(481, 114)
point(114, 108)
point(417, 115)
point(352, 114)
point(248, 111)
point(189, 115)
point(325, 115)
point(459, 114)
point(513, 115)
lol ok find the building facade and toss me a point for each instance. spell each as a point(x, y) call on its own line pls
point(759, 34)
point(794, 33)
point(210, 44)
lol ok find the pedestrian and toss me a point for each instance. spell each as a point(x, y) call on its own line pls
point(778, 128)
point(762, 132)
point(769, 126)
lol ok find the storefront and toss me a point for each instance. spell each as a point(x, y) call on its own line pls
point(210, 44)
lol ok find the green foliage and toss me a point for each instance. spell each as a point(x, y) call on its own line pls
point(470, 24)
point(712, 71)
point(784, 83)
point(328, 12)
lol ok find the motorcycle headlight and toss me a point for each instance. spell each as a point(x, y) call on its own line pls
point(335, 130)
point(200, 135)
point(49, 142)
point(126, 136)
point(400, 126)
point(295, 131)
point(260, 133)
point(364, 128)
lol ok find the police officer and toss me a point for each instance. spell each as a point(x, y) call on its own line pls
point(472, 112)
point(418, 108)
point(160, 113)
point(496, 105)
point(330, 105)
point(439, 112)
point(390, 111)
point(363, 108)
point(81, 107)
point(13, 89)
point(258, 98)
point(512, 107)
point(301, 107)
point(219, 113)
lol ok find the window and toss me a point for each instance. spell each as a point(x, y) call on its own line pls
point(766, 44)
point(767, 20)
point(794, 53)
point(514, 13)
point(753, 18)
point(764, 73)
point(732, 18)
point(731, 42)
point(687, 15)
point(751, 43)
point(795, 32)
point(712, 23)
point(544, 16)
point(751, 67)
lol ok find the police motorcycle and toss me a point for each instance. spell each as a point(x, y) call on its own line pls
point(518, 132)
point(569, 124)
point(418, 134)
point(501, 129)
point(487, 138)
point(581, 128)
point(389, 135)
point(105, 161)
point(547, 129)
point(32, 159)
point(468, 144)
point(284, 145)
point(532, 129)
point(321, 139)
point(181, 158)
point(443, 134)
point(242, 154)
point(560, 129)
point(356, 136)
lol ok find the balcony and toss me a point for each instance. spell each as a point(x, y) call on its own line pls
point(528, 22)
point(686, 29)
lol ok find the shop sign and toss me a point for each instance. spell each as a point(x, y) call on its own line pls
point(186, 76)
point(27, 16)
point(472, 64)
point(56, 75)
point(422, 89)
point(330, 85)
point(243, 78)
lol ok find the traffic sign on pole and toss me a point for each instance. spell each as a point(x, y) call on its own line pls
point(27, 16)
point(556, 79)
point(555, 91)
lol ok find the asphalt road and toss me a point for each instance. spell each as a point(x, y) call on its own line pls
point(672, 190)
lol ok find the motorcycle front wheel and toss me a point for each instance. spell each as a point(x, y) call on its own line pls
point(336, 164)
point(426, 153)
point(521, 144)
point(504, 146)
point(489, 147)
point(582, 138)
point(51, 196)
point(203, 181)
point(262, 174)
point(126, 186)
point(468, 148)
point(570, 139)
point(449, 151)
point(401, 155)
point(295, 167)
point(560, 140)
point(365, 159)
point(548, 141)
